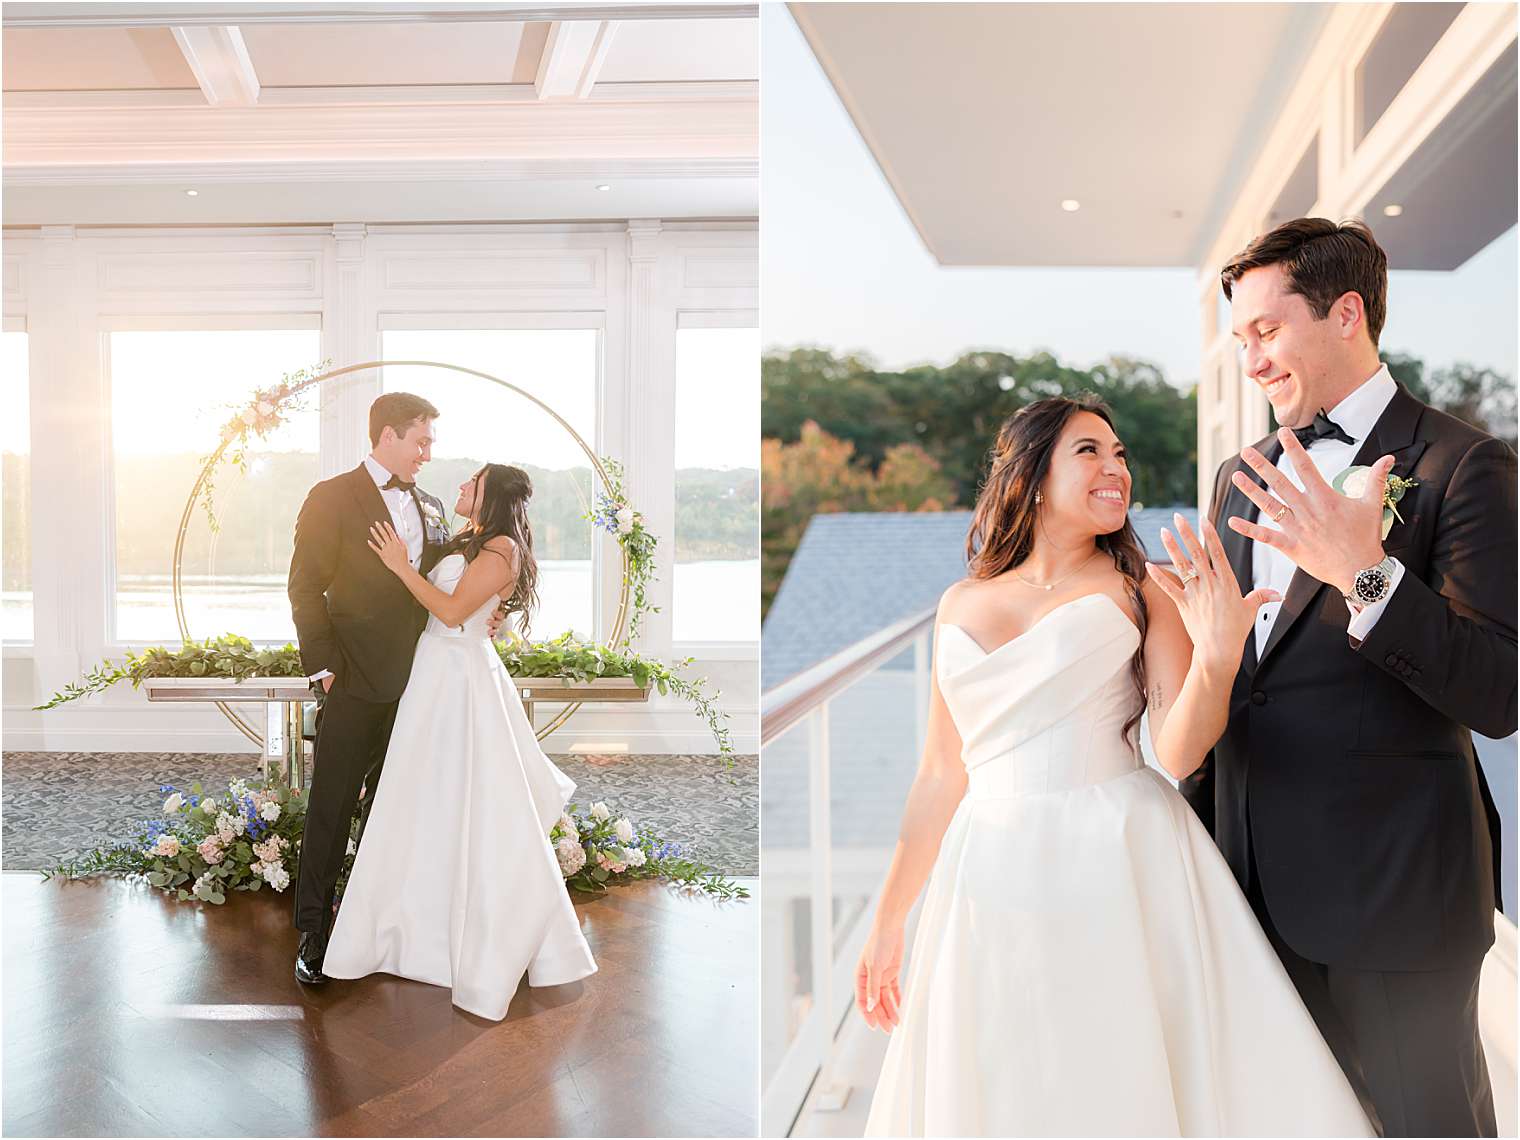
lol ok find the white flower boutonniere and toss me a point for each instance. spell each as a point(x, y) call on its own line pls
point(430, 513)
point(1352, 483)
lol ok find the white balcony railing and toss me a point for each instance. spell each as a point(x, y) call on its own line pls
point(827, 831)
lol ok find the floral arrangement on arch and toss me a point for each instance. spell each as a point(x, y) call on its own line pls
point(616, 516)
point(265, 411)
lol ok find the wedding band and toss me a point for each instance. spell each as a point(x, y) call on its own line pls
point(1188, 577)
point(1278, 517)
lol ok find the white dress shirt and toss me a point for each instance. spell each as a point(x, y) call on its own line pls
point(1270, 567)
point(405, 515)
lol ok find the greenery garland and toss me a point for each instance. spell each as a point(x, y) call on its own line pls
point(231, 656)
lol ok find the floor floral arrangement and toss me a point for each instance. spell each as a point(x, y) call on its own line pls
point(249, 838)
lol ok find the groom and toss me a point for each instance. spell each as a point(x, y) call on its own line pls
point(358, 628)
point(1345, 792)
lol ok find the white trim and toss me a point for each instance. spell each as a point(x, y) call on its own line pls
point(529, 133)
point(499, 169)
point(653, 91)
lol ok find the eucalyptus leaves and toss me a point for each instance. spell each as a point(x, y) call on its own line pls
point(226, 656)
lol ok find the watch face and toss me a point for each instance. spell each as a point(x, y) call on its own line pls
point(1371, 585)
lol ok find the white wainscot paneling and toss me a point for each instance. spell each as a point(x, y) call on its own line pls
point(708, 268)
point(127, 276)
point(579, 275)
point(15, 278)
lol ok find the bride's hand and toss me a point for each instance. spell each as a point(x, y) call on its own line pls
point(1217, 618)
point(878, 989)
point(385, 542)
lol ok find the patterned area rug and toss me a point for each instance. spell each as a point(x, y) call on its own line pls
point(55, 805)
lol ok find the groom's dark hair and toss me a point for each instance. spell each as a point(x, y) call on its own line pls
point(1322, 261)
point(397, 411)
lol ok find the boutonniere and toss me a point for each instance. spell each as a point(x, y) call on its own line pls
point(1352, 482)
point(431, 513)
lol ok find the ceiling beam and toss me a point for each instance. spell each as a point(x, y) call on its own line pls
point(573, 55)
point(219, 60)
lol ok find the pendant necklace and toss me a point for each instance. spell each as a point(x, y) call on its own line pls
point(1058, 581)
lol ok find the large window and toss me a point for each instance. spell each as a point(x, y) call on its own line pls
point(482, 422)
point(717, 456)
point(172, 390)
point(15, 432)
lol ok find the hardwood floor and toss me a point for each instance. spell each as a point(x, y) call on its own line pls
point(128, 1014)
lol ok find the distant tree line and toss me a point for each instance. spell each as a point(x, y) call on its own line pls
point(841, 434)
point(257, 511)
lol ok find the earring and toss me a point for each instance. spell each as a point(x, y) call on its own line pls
point(1038, 498)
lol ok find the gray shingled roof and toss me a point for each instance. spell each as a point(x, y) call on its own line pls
point(854, 574)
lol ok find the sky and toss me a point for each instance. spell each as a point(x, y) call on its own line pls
point(843, 268)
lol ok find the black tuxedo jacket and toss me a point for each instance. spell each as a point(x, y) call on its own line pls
point(1348, 768)
point(352, 614)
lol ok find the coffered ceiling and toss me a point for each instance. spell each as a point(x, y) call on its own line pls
point(324, 112)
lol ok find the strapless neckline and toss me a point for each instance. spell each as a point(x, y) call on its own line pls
point(1050, 613)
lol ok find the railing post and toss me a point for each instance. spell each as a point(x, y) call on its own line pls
point(921, 663)
point(821, 842)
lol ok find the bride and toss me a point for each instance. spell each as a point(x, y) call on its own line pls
point(1084, 962)
point(455, 883)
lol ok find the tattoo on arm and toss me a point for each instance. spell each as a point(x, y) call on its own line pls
point(1155, 696)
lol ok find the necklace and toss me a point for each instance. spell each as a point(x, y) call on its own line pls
point(1058, 581)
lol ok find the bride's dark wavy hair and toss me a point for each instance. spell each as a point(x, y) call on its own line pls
point(502, 492)
point(1002, 526)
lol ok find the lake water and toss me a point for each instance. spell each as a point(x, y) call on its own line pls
point(714, 601)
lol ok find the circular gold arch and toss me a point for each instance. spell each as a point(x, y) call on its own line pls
point(251, 731)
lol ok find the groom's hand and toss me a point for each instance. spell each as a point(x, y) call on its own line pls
point(1327, 535)
point(498, 615)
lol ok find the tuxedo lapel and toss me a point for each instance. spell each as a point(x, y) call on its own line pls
point(367, 495)
point(1237, 547)
point(1393, 434)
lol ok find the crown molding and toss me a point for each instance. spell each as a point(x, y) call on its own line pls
point(401, 170)
point(589, 132)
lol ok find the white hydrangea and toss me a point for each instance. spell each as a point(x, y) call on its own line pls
point(571, 855)
point(270, 810)
point(635, 857)
point(228, 826)
point(276, 876)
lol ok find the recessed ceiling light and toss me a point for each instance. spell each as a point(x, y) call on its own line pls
point(1392, 210)
point(1070, 205)
point(192, 193)
point(604, 186)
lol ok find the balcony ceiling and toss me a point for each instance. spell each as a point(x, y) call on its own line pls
point(984, 118)
point(385, 112)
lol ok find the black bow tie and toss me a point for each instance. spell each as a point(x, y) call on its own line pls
point(1323, 427)
point(398, 481)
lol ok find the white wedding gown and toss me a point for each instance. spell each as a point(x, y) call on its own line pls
point(1084, 963)
point(455, 883)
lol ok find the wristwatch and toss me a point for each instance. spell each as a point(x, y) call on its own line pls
point(1372, 584)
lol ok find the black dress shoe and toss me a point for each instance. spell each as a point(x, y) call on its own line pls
point(309, 957)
